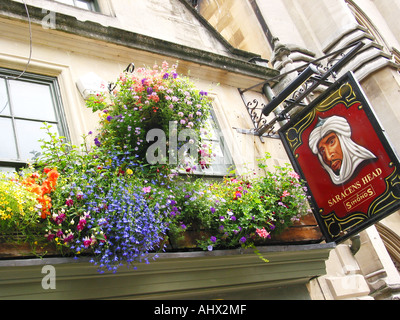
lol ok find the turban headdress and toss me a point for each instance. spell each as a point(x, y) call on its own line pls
point(353, 154)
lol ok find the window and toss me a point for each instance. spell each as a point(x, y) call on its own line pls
point(222, 162)
point(90, 5)
point(25, 104)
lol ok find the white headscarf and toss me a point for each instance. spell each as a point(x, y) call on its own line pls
point(353, 154)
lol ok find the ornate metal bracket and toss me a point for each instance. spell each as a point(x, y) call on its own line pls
point(130, 68)
point(294, 94)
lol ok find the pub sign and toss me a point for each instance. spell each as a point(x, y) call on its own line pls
point(338, 147)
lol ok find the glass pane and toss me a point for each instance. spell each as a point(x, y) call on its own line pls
point(8, 149)
point(70, 2)
point(32, 100)
point(83, 4)
point(29, 134)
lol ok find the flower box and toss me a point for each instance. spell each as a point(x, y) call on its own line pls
point(305, 231)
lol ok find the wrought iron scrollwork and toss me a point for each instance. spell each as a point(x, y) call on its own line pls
point(298, 95)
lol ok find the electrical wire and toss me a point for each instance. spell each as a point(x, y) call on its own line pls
point(30, 48)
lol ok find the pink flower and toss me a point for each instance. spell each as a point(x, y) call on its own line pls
point(146, 189)
point(87, 242)
point(59, 218)
point(294, 175)
point(81, 224)
point(285, 194)
point(262, 233)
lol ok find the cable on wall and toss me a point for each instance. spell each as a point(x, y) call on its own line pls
point(30, 48)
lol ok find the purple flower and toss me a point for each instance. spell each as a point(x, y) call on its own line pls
point(213, 239)
point(212, 210)
point(59, 233)
point(210, 248)
point(242, 240)
point(109, 118)
point(233, 218)
point(97, 142)
point(203, 93)
point(149, 90)
point(166, 75)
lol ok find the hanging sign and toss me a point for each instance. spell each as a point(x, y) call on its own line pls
point(338, 147)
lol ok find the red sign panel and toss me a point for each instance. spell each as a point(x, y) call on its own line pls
point(338, 147)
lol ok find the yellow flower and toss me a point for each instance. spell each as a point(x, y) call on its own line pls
point(129, 171)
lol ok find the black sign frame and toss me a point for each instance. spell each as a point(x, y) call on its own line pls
point(343, 208)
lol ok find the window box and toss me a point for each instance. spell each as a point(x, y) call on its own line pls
point(221, 274)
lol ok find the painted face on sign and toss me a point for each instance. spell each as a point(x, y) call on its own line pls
point(331, 151)
point(337, 152)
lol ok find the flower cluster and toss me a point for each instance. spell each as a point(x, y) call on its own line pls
point(17, 205)
point(151, 99)
point(132, 227)
point(243, 211)
point(43, 189)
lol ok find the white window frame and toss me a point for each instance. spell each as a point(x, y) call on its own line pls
point(94, 6)
point(60, 120)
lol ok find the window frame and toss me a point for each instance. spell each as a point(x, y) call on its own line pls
point(60, 118)
point(94, 6)
point(204, 173)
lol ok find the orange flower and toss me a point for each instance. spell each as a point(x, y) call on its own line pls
point(53, 175)
point(48, 186)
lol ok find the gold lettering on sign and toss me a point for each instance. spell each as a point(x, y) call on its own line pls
point(356, 196)
point(359, 198)
point(345, 193)
point(373, 175)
